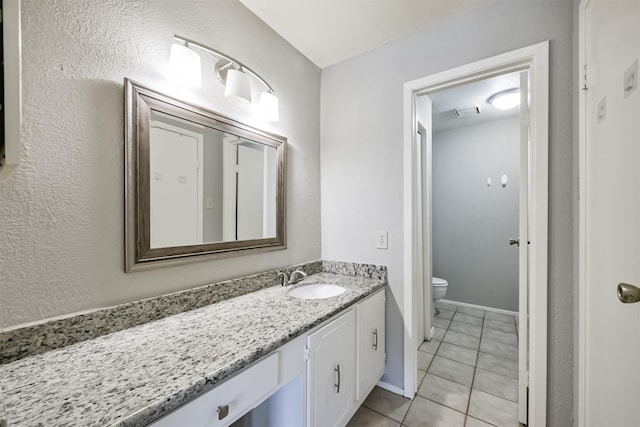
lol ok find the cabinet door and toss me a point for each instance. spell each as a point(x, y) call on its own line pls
point(371, 339)
point(332, 376)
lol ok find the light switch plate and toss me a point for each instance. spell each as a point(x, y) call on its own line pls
point(382, 240)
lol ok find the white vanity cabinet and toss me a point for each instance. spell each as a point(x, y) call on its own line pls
point(242, 392)
point(331, 368)
point(371, 343)
point(319, 379)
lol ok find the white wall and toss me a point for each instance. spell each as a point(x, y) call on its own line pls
point(473, 222)
point(362, 156)
point(61, 213)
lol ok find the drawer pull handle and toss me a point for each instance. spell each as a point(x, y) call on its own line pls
point(375, 340)
point(337, 385)
point(223, 411)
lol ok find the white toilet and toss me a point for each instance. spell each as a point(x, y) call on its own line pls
point(438, 290)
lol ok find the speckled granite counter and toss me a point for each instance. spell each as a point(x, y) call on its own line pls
point(134, 376)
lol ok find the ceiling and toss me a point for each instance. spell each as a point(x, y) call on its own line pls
point(331, 31)
point(445, 102)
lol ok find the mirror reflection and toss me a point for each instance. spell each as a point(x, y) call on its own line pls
point(208, 185)
point(198, 185)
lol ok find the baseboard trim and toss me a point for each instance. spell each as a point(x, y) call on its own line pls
point(479, 307)
point(391, 388)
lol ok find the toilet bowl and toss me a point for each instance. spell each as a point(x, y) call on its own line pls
point(438, 288)
point(438, 291)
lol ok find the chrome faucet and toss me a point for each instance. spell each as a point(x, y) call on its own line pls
point(285, 277)
point(293, 278)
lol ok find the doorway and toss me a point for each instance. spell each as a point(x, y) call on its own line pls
point(533, 62)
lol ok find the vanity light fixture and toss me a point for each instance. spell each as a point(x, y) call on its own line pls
point(506, 99)
point(184, 65)
point(236, 77)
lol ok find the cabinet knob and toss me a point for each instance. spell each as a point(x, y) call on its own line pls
point(337, 385)
point(375, 340)
point(223, 411)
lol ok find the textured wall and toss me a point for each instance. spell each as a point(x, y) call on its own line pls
point(472, 223)
point(362, 155)
point(61, 213)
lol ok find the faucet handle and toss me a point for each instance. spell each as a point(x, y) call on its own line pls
point(298, 271)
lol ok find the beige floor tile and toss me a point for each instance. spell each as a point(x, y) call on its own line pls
point(471, 311)
point(425, 413)
point(509, 351)
point(457, 353)
point(424, 360)
point(465, 318)
point(463, 340)
point(496, 384)
point(439, 333)
point(499, 336)
point(444, 314)
point(452, 370)
point(430, 346)
point(389, 404)
point(445, 392)
point(497, 364)
point(465, 328)
point(474, 422)
point(441, 323)
point(492, 409)
point(365, 417)
point(499, 316)
point(500, 326)
point(421, 375)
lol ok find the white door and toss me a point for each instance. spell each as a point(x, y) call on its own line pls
point(611, 215)
point(523, 253)
point(250, 191)
point(176, 187)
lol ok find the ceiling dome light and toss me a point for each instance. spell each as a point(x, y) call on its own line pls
point(505, 100)
point(184, 65)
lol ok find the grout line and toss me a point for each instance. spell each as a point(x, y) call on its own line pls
point(387, 417)
point(442, 404)
point(473, 379)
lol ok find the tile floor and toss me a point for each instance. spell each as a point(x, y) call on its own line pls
point(468, 376)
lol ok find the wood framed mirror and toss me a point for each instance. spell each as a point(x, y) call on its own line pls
point(198, 185)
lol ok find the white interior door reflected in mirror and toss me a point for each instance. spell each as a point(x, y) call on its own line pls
point(176, 186)
point(198, 183)
point(189, 164)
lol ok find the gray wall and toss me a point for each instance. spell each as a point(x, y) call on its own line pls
point(362, 158)
point(473, 222)
point(61, 212)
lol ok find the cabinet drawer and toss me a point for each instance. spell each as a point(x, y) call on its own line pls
point(236, 395)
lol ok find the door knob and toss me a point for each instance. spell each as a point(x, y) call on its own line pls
point(514, 242)
point(628, 293)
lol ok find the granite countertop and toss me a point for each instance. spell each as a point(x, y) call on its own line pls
point(134, 376)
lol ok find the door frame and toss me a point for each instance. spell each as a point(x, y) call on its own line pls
point(535, 59)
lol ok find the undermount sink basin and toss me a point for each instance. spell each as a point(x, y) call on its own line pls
point(316, 291)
